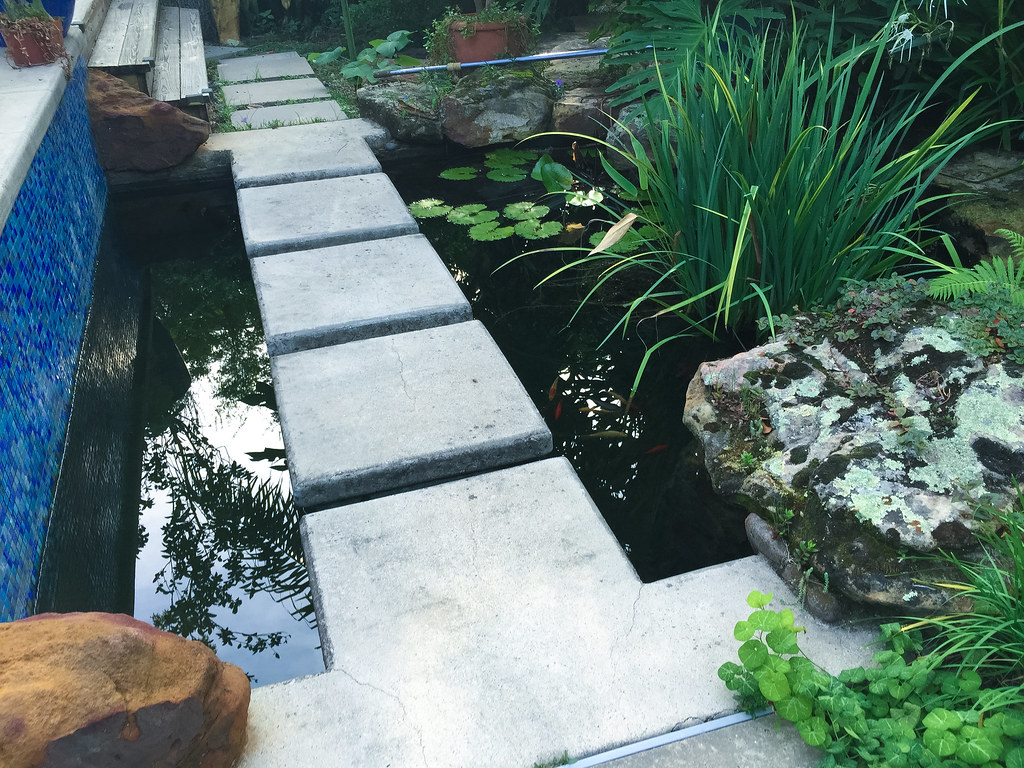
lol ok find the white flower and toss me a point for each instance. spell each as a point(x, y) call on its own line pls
point(902, 42)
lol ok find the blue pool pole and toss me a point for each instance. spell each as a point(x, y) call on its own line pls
point(455, 66)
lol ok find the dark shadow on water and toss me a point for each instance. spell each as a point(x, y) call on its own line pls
point(636, 459)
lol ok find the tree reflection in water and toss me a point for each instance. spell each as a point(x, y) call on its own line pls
point(230, 534)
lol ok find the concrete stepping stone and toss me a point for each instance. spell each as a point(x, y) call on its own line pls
point(386, 413)
point(289, 114)
point(299, 153)
point(274, 91)
point(348, 292)
point(313, 214)
point(267, 66)
point(494, 621)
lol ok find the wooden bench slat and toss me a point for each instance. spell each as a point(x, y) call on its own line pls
point(193, 57)
point(140, 41)
point(110, 41)
point(166, 72)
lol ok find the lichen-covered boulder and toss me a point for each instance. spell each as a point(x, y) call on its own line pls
point(95, 690)
point(134, 132)
point(484, 109)
point(865, 436)
point(408, 110)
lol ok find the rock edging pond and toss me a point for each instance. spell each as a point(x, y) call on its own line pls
point(866, 435)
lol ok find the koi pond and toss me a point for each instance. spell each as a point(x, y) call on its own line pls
point(220, 557)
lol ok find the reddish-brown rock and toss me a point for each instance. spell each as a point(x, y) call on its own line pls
point(95, 690)
point(134, 132)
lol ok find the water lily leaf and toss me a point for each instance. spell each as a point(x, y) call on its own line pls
point(462, 173)
point(489, 230)
point(506, 173)
point(534, 229)
point(474, 213)
point(429, 208)
point(525, 210)
point(554, 176)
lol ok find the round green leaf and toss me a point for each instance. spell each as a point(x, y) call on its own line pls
point(504, 157)
point(758, 599)
point(525, 210)
point(463, 173)
point(794, 708)
point(474, 213)
point(489, 230)
point(1015, 758)
point(506, 174)
point(970, 681)
point(743, 631)
point(782, 641)
point(978, 751)
point(940, 719)
point(532, 229)
point(773, 685)
point(764, 621)
point(753, 654)
point(814, 731)
point(1013, 725)
point(429, 208)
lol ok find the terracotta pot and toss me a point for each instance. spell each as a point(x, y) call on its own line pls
point(24, 49)
point(487, 41)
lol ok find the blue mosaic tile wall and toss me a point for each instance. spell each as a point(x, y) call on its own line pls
point(47, 251)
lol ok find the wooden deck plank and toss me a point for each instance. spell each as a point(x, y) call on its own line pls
point(193, 59)
point(140, 40)
point(167, 71)
point(110, 41)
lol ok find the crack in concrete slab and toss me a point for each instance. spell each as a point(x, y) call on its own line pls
point(632, 621)
point(401, 370)
point(405, 712)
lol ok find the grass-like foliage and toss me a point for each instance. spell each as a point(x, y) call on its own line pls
point(947, 690)
point(772, 180)
point(986, 276)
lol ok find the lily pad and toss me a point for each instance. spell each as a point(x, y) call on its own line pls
point(474, 213)
point(534, 229)
point(429, 208)
point(506, 173)
point(525, 211)
point(462, 173)
point(489, 230)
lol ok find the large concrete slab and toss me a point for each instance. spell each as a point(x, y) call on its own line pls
point(494, 621)
point(381, 414)
point(766, 742)
point(301, 152)
point(311, 214)
point(267, 66)
point(274, 92)
point(289, 114)
point(348, 292)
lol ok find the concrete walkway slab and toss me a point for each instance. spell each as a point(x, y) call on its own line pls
point(266, 66)
point(274, 91)
point(348, 292)
point(312, 214)
point(766, 742)
point(289, 114)
point(301, 152)
point(494, 621)
point(388, 413)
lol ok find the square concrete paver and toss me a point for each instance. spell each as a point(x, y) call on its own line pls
point(289, 114)
point(348, 292)
point(313, 214)
point(381, 414)
point(494, 621)
point(274, 92)
point(267, 66)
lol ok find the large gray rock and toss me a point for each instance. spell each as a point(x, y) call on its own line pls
point(880, 448)
point(483, 110)
point(408, 110)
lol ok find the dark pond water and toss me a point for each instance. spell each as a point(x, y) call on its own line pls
point(638, 464)
point(221, 560)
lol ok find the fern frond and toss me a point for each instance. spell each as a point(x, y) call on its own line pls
point(983, 278)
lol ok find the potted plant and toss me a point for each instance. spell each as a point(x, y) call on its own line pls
point(495, 30)
point(32, 36)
